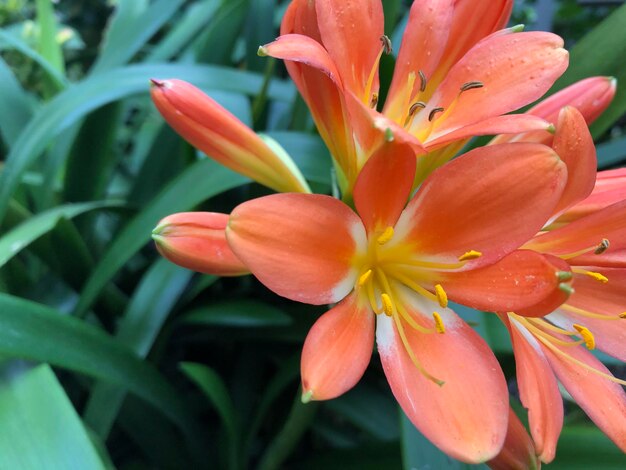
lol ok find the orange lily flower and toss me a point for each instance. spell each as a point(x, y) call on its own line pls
point(543, 347)
point(392, 269)
point(457, 74)
point(220, 135)
point(518, 450)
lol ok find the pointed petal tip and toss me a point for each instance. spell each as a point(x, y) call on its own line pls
point(306, 396)
point(262, 51)
point(518, 28)
point(156, 82)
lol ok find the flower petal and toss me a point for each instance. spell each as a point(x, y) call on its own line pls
point(466, 417)
point(574, 145)
point(520, 280)
point(337, 350)
point(539, 390)
point(423, 43)
point(301, 246)
point(515, 69)
point(518, 450)
point(585, 233)
point(491, 200)
point(384, 185)
point(351, 31)
point(197, 241)
point(216, 132)
point(604, 401)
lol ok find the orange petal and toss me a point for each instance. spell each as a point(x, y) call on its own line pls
point(351, 31)
point(466, 417)
point(301, 246)
point(337, 350)
point(197, 241)
point(518, 450)
point(539, 390)
point(423, 43)
point(515, 70)
point(574, 145)
point(520, 280)
point(216, 132)
point(491, 200)
point(604, 401)
point(301, 18)
point(383, 186)
point(585, 233)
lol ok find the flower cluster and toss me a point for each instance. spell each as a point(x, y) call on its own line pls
point(522, 227)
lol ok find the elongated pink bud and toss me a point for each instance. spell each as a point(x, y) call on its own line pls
point(590, 96)
point(518, 450)
point(210, 128)
point(197, 241)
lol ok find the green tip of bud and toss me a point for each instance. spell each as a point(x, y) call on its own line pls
point(566, 288)
point(262, 51)
point(155, 82)
point(564, 275)
point(306, 397)
point(551, 129)
point(518, 28)
point(613, 81)
point(388, 135)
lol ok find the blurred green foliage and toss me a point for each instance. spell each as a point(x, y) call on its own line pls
point(166, 368)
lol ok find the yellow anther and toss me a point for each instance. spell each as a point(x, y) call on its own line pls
point(439, 326)
point(442, 297)
point(364, 277)
point(374, 100)
point(586, 335)
point(597, 276)
point(387, 304)
point(622, 315)
point(385, 236)
point(472, 254)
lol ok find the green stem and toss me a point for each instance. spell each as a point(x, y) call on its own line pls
point(261, 98)
point(297, 423)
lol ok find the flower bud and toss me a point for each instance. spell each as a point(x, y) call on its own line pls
point(518, 450)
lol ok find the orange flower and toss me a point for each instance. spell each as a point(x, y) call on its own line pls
point(220, 135)
point(457, 74)
point(393, 268)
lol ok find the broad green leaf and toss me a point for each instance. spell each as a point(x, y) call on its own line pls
point(49, 46)
point(216, 392)
point(28, 231)
point(38, 424)
point(585, 447)
point(601, 52)
point(259, 30)
point(195, 20)
point(419, 452)
point(199, 182)
point(309, 153)
point(16, 107)
point(147, 311)
point(216, 44)
point(33, 331)
point(133, 24)
point(238, 313)
point(79, 100)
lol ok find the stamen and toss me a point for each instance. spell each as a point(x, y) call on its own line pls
point(602, 247)
point(471, 85)
point(622, 315)
point(414, 106)
point(439, 326)
point(410, 320)
point(385, 236)
point(414, 286)
point(564, 275)
point(432, 113)
point(468, 255)
point(540, 322)
point(586, 335)
point(364, 277)
point(387, 304)
point(566, 288)
point(587, 313)
point(592, 274)
point(374, 100)
point(422, 80)
point(387, 48)
point(442, 297)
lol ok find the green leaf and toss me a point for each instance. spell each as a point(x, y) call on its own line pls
point(308, 152)
point(133, 24)
point(32, 331)
point(259, 30)
point(584, 447)
point(601, 52)
point(611, 153)
point(147, 311)
point(16, 108)
point(49, 46)
point(31, 229)
point(199, 182)
point(79, 100)
point(238, 313)
point(216, 44)
point(39, 425)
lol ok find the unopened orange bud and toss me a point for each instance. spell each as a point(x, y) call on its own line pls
point(518, 450)
point(216, 132)
point(197, 241)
